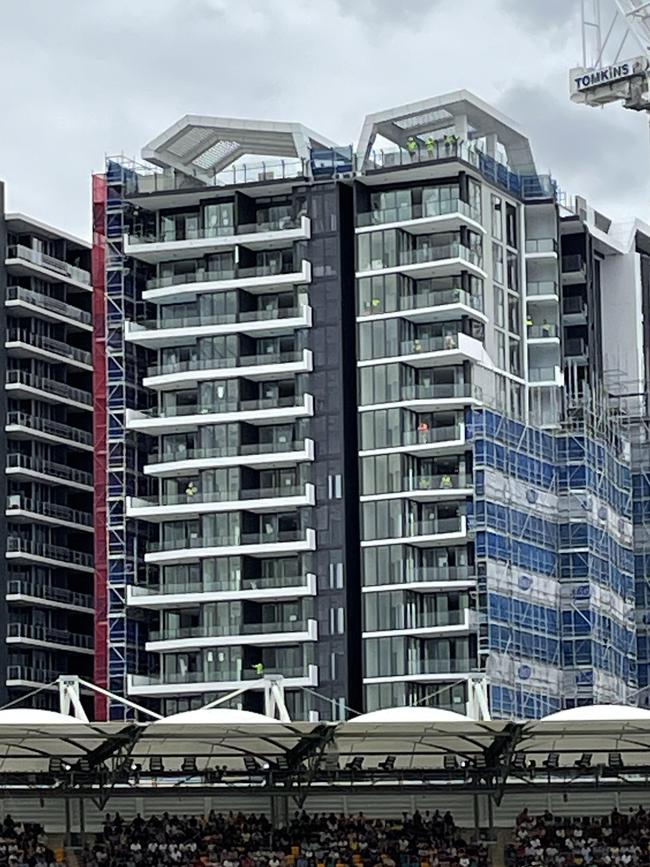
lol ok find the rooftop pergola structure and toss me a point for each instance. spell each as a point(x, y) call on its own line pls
point(200, 146)
point(468, 116)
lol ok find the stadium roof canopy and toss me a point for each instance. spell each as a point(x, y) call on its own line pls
point(46, 752)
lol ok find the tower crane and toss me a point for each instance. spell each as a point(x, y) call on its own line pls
point(615, 54)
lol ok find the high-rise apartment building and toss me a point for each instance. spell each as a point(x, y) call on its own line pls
point(46, 620)
point(364, 419)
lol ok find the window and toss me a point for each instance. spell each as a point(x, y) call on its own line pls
point(513, 272)
point(515, 357)
point(334, 486)
point(497, 218)
point(501, 350)
point(497, 263)
point(511, 226)
point(499, 307)
point(336, 576)
point(514, 315)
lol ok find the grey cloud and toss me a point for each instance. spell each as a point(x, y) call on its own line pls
point(388, 12)
point(543, 16)
point(602, 155)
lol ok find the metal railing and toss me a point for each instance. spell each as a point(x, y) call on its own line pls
point(49, 386)
point(49, 635)
point(428, 574)
point(148, 180)
point(49, 468)
point(421, 620)
point(541, 245)
point(49, 510)
point(415, 212)
point(440, 666)
point(34, 675)
point(228, 674)
point(245, 449)
point(574, 263)
point(426, 435)
point(49, 344)
point(38, 299)
point(227, 405)
point(428, 344)
point(235, 584)
point(18, 545)
point(221, 496)
point(541, 287)
point(434, 527)
point(438, 298)
point(243, 539)
point(191, 364)
point(19, 251)
point(54, 594)
point(208, 232)
point(48, 426)
point(439, 391)
point(425, 255)
point(542, 374)
point(547, 330)
point(218, 630)
point(196, 320)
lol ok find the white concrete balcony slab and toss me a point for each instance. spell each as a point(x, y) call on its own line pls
point(173, 375)
point(443, 216)
point(428, 398)
point(182, 506)
point(255, 634)
point(246, 545)
point(202, 242)
point(154, 334)
point(439, 306)
point(197, 682)
point(261, 278)
point(186, 595)
point(269, 455)
point(427, 488)
point(451, 349)
point(443, 531)
point(179, 419)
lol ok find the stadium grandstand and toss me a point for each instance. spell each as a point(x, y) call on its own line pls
point(402, 787)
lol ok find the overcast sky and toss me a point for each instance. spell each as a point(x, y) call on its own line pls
point(86, 78)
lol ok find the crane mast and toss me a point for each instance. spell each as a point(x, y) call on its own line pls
point(615, 54)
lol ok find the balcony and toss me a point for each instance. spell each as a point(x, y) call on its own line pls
point(267, 454)
point(161, 333)
point(25, 260)
point(422, 218)
point(26, 675)
point(180, 418)
point(541, 248)
point(267, 365)
point(187, 594)
point(437, 531)
point(36, 303)
point(429, 261)
point(546, 333)
point(424, 579)
point(203, 241)
point(452, 348)
point(25, 344)
point(26, 466)
point(545, 376)
point(26, 385)
point(23, 508)
point(22, 425)
point(190, 549)
point(416, 623)
point(62, 639)
point(432, 306)
point(542, 290)
point(228, 634)
point(426, 670)
point(177, 288)
point(32, 593)
point(28, 551)
point(430, 397)
point(574, 310)
point(574, 269)
point(427, 440)
point(229, 680)
point(427, 487)
point(168, 507)
point(576, 349)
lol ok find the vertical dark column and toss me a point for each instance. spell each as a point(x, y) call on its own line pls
point(333, 384)
point(3, 452)
point(645, 307)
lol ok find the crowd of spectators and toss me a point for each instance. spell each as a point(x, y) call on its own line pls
point(553, 841)
point(238, 840)
point(25, 845)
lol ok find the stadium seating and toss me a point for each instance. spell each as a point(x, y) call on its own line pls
point(25, 845)
point(237, 840)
